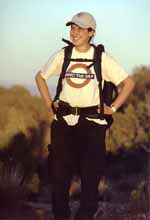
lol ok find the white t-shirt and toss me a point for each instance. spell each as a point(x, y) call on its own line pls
point(80, 85)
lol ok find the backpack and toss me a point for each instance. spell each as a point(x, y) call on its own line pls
point(108, 92)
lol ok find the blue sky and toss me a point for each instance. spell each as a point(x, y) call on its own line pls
point(31, 30)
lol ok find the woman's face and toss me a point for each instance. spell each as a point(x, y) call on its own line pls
point(80, 36)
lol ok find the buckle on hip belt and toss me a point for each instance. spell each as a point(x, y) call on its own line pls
point(75, 110)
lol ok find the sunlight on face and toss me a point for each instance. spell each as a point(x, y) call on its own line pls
point(80, 36)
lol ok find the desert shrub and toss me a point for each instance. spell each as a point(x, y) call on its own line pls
point(140, 197)
point(12, 187)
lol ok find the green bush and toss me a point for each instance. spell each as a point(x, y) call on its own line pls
point(140, 197)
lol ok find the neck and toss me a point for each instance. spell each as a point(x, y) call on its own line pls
point(83, 48)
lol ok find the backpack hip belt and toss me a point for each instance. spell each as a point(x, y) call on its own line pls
point(65, 109)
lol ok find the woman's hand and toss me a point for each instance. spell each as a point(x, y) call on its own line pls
point(107, 110)
point(56, 105)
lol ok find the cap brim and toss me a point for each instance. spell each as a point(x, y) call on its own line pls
point(69, 23)
point(77, 23)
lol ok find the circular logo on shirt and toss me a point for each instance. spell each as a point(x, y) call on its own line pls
point(84, 78)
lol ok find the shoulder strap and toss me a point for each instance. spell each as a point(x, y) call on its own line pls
point(67, 57)
point(98, 50)
point(97, 67)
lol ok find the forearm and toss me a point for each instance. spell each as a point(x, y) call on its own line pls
point(127, 87)
point(44, 91)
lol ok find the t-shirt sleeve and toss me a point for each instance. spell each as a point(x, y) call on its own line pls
point(111, 70)
point(53, 66)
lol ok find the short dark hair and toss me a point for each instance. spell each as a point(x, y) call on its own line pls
point(90, 29)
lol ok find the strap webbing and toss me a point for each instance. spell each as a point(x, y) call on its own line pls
point(67, 56)
point(81, 60)
point(97, 67)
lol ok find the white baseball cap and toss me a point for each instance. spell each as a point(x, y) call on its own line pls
point(83, 20)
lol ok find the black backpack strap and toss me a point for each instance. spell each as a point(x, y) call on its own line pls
point(81, 60)
point(68, 42)
point(67, 57)
point(97, 67)
point(110, 92)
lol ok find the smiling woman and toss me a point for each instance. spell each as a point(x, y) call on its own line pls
point(79, 120)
